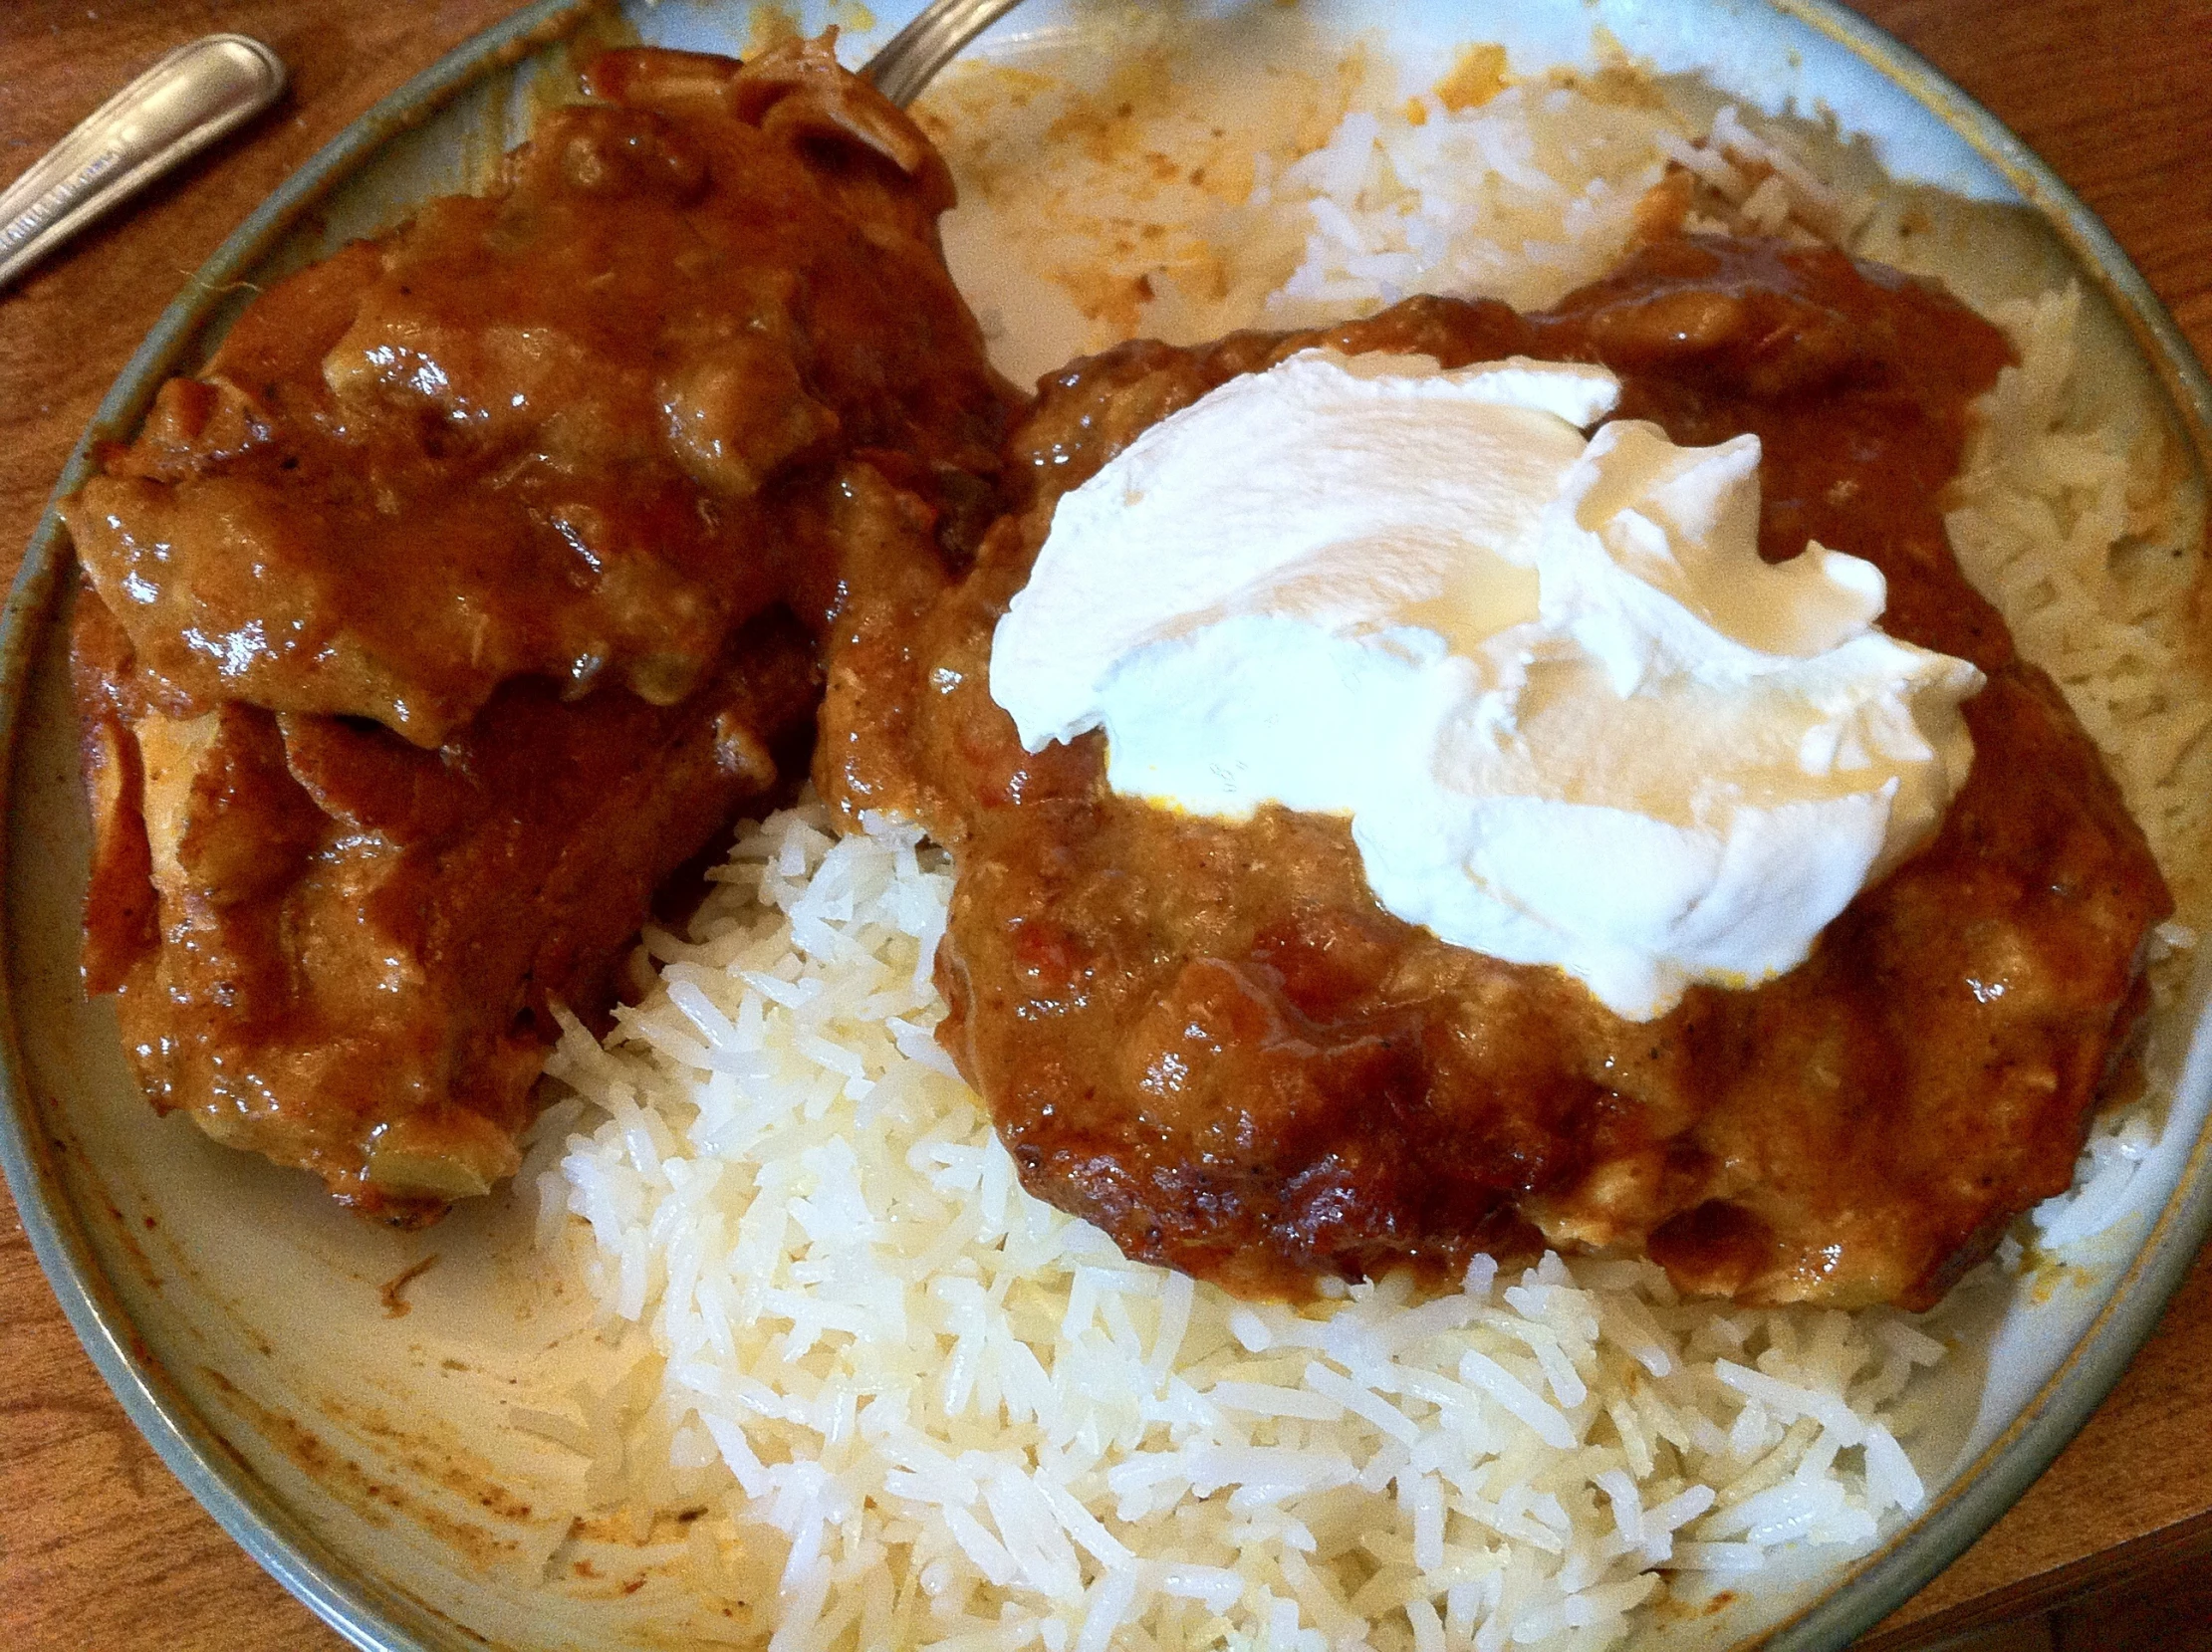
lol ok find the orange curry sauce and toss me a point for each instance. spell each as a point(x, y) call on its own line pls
point(479, 576)
point(1209, 1040)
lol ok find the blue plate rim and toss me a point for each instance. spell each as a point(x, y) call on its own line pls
point(376, 1617)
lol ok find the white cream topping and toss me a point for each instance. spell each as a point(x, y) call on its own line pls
point(1573, 716)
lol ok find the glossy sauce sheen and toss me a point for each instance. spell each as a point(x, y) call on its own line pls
point(1209, 1040)
point(479, 576)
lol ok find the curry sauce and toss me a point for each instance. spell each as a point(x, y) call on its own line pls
point(1208, 1038)
point(477, 578)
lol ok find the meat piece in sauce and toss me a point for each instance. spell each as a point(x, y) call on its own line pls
point(1209, 1038)
point(481, 576)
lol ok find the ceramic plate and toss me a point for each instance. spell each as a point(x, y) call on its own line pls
point(340, 1395)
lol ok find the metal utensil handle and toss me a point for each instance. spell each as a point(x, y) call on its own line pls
point(185, 102)
point(913, 55)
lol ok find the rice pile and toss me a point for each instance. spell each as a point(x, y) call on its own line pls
point(2073, 532)
point(936, 1411)
point(1532, 194)
point(923, 1408)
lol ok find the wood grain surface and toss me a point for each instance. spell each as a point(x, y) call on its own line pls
point(102, 1549)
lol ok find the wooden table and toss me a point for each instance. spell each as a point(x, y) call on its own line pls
point(100, 1547)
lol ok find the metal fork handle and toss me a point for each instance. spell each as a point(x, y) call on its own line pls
point(185, 102)
point(912, 56)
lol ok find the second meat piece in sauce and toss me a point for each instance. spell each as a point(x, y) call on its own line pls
point(478, 577)
point(1209, 1038)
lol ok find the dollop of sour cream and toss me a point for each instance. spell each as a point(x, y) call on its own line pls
point(1572, 716)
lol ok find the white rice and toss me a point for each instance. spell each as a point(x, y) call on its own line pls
point(932, 1410)
point(923, 1408)
point(1523, 199)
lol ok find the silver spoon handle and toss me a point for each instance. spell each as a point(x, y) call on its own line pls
point(185, 102)
point(908, 60)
